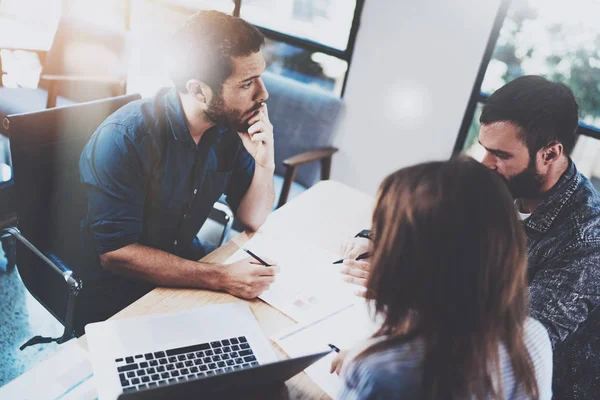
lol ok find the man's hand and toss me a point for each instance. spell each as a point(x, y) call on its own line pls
point(259, 139)
point(338, 361)
point(248, 278)
point(356, 246)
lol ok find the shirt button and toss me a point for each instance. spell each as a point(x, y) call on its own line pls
point(175, 243)
point(195, 191)
point(184, 216)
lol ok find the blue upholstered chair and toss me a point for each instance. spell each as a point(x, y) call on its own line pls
point(305, 121)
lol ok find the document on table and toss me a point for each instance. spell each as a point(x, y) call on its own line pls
point(65, 376)
point(308, 285)
point(344, 329)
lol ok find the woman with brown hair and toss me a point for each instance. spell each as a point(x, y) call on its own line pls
point(449, 282)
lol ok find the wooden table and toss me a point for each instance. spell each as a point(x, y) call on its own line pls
point(327, 214)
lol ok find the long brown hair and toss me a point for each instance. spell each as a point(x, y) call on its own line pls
point(449, 266)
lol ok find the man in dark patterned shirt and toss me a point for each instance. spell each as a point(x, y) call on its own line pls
point(527, 129)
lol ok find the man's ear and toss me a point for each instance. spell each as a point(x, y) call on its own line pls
point(200, 91)
point(552, 152)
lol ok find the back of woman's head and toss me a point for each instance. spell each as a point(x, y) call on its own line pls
point(449, 266)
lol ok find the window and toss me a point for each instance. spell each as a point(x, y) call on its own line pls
point(28, 24)
point(109, 13)
point(310, 41)
point(557, 40)
point(327, 22)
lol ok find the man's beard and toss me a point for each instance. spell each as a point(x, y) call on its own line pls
point(218, 113)
point(527, 184)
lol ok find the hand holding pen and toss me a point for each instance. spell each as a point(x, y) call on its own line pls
point(356, 271)
point(360, 257)
point(257, 258)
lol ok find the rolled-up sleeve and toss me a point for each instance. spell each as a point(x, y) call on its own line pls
point(114, 175)
point(241, 178)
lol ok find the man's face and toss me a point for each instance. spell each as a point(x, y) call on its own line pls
point(241, 94)
point(507, 155)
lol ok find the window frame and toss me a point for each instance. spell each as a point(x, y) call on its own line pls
point(477, 96)
point(305, 44)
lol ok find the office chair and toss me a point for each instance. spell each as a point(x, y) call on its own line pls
point(305, 121)
point(84, 63)
point(46, 147)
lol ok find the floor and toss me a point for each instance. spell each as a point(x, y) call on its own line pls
point(22, 317)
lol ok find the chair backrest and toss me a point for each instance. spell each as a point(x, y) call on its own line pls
point(82, 49)
point(46, 147)
point(303, 118)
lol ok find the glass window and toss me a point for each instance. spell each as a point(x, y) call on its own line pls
point(555, 39)
point(586, 155)
point(327, 22)
point(225, 6)
point(560, 41)
point(28, 24)
point(313, 68)
point(109, 13)
point(293, 28)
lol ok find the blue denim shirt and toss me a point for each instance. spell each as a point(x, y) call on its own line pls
point(149, 183)
point(563, 248)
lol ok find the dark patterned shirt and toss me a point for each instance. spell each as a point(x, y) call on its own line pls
point(563, 248)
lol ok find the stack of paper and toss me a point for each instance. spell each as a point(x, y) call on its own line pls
point(308, 285)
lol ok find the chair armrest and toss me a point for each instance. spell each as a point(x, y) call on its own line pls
point(117, 84)
point(77, 78)
point(56, 264)
point(41, 53)
point(310, 156)
point(73, 283)
point(322, 154)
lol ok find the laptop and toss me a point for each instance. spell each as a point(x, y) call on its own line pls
point(209, 351)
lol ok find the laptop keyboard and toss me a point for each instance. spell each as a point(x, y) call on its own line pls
point(143, 371)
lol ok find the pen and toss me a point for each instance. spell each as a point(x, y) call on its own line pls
point(361, 257)
point(257, 258)
point(334, 348)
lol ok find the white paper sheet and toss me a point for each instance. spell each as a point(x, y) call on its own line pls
point(66, 376)
point(308, 285)
point(344, 329)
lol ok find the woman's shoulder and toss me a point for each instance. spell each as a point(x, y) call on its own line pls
point(397, 369)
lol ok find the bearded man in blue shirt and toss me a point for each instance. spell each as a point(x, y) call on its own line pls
point(154, 169)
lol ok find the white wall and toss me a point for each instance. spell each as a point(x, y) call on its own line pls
point(414, 65)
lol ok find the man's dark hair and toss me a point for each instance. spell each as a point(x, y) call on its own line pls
point(545, 111)
point(202, 48)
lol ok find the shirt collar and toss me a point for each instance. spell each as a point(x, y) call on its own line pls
point(177, 120)
point(543, 216)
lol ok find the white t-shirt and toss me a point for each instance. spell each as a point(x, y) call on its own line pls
point(522, 216)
